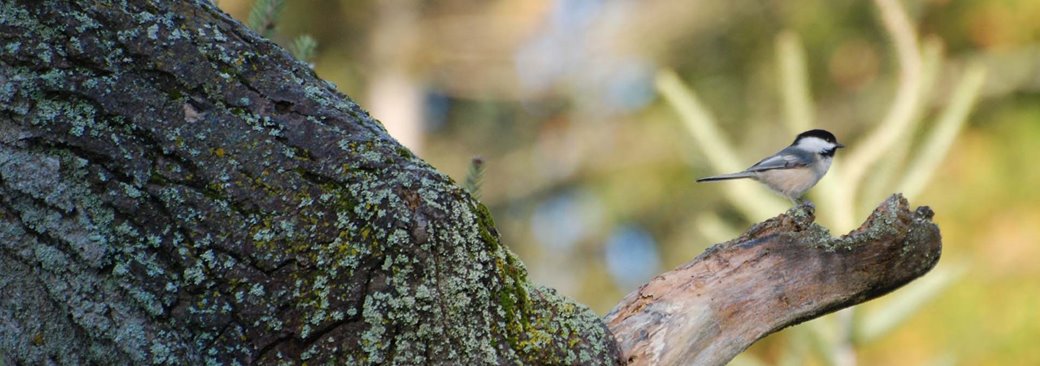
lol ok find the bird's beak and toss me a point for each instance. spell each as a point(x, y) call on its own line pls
point(839, 146)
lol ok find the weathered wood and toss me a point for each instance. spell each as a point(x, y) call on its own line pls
point(780, 272)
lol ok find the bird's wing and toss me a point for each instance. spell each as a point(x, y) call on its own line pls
point(782, 160)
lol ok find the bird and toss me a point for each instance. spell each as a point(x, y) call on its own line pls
point(794, 170)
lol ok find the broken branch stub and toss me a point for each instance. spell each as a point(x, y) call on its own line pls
point(781, 272)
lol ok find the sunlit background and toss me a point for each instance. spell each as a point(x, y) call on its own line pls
point(594, 117)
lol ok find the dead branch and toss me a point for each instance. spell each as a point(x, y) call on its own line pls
point(781, 272)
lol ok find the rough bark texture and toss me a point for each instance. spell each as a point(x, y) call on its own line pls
point(177, 190)
point(779, 273)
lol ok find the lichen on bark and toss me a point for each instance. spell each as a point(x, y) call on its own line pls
point(178, 190)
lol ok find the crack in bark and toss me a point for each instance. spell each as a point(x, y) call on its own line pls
point(57, 299)
point(444, 318)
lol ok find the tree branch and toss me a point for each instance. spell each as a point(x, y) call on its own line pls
point(781, 272)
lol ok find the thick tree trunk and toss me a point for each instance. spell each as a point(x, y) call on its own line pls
point(177, 190)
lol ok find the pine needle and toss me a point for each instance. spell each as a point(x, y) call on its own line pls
point(263, 16)
point(304, 47)
point(475, 177)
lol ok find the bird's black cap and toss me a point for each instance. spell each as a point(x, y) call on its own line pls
point(817, 133)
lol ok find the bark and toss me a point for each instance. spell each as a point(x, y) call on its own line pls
point(178, 190)
point(779, 273)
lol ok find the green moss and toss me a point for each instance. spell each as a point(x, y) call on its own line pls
point(564, 333)
point(403, 152)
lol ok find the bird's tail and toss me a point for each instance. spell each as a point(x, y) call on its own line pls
point(738, 175)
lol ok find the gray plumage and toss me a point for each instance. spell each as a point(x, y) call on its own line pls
point(795, 169)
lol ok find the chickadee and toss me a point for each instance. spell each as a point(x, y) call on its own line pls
point(796, 168)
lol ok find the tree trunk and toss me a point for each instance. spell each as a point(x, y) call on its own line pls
point(177, 190)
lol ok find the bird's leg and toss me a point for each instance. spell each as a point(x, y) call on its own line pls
point(804, 202)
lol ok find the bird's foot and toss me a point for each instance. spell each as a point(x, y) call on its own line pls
point(807, 203)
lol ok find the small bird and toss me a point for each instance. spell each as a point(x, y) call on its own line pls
point(796, 168)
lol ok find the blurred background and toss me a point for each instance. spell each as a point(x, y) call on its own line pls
point(593, 118)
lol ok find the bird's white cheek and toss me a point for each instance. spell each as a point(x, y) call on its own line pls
point(815, 144)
